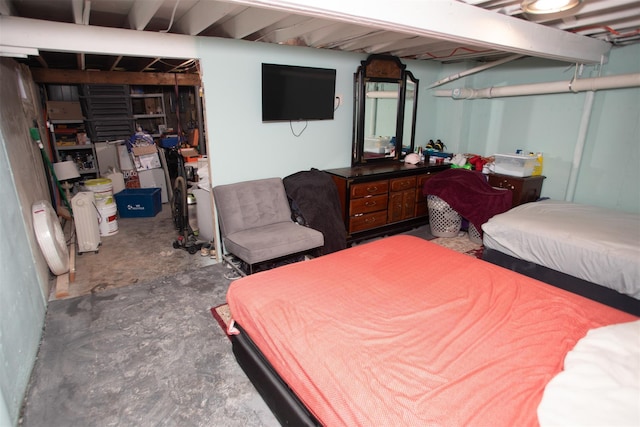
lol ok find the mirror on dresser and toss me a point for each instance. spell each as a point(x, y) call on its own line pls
point(384, 110)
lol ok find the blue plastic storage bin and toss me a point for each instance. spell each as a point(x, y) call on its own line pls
point(139, 202)
point(169, 142)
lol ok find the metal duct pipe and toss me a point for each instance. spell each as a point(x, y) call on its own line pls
point(575, 86)
point(473, 71)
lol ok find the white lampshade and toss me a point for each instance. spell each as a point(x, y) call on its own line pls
point(66, 170)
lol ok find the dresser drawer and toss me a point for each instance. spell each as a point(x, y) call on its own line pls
point(367, 221)
point(401, 184)
point(420, 185)
point(369, 188)
point(367, 204)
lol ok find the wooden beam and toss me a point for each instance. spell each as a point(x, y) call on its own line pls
point(41, 75)
point(62, 285)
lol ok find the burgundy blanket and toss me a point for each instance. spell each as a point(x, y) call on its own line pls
point(469, 194)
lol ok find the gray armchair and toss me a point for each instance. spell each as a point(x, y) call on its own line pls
point(256, 225)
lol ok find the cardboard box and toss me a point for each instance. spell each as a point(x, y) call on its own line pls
point(514, 164)
point(150, 106)
point(138, 202)
point(64, 110)
point(143, 150)
point(189, 153)
point(146, 162)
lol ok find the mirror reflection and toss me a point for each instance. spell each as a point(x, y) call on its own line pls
point(381, 112)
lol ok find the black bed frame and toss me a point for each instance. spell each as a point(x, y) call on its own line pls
point(564, 281)
point(290, 411)
point(282, 401)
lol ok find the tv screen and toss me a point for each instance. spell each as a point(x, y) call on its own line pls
point(297, 93)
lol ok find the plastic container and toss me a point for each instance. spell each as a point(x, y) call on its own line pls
point(443, 219)
point(192, 210)
point(537, 168)
point(514, 164)
point(139, 202)
point(107, 216)
point(169, 142)
point(102, 188)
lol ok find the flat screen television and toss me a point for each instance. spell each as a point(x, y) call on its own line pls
point(293, 93)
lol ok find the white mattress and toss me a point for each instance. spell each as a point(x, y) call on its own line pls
point(595, 244)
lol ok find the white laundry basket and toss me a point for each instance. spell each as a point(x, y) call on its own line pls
point(443, 220)
point(474, 234)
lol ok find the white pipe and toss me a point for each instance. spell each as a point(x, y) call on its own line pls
point(387, 94)
point(473, 71)
point(382, 94)
point(577, 85)
point(579, 148)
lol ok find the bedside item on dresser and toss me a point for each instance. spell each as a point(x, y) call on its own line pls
point(524, 190)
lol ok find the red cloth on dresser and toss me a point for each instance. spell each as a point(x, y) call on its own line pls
point(469, 194)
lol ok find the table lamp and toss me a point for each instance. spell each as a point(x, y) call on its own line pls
point(65, 172)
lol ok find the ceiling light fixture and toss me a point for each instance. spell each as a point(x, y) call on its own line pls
point(548, 6)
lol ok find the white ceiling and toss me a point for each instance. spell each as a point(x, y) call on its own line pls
point(435, 30)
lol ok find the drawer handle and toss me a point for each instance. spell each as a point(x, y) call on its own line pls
point(372, 189)
point(370, 220)
point(370, 203)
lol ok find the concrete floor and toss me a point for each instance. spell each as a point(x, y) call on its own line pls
point(140, 251)
point(136, 344)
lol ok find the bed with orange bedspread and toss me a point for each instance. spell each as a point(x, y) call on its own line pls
point(402, 331)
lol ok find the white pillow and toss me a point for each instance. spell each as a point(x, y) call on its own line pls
point(600, 383)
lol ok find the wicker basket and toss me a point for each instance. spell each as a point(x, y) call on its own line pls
point(444, 221)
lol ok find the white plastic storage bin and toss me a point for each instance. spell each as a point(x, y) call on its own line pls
point(514, 164)
point(443, 219)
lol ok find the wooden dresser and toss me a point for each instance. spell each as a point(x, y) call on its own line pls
point(524, 190)
point(383, 198)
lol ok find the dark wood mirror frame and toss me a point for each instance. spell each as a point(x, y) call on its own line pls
point(382, 69)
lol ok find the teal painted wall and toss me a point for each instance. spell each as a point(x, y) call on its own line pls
point(241, 146)
point(609, 173)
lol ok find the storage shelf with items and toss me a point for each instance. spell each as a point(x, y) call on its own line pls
point(148, 112)
point(71, 143)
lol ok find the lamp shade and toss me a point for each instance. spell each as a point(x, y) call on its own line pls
point(66, 170)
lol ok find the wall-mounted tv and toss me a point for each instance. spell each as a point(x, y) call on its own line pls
point(291, 93)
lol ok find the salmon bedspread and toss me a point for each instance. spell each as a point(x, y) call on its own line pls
point(402, 331)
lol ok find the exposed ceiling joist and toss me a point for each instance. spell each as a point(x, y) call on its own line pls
point(440, 30)
point(116, 77)
point(142, 12)
point(202, 16)
point(247, 22)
